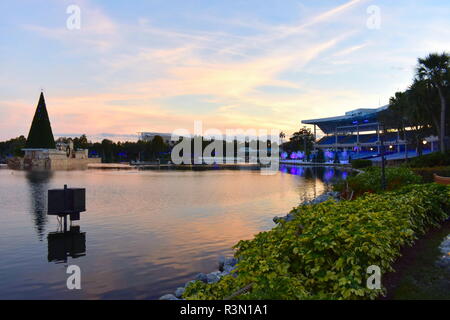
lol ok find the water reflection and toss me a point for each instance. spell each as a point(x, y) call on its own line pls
point(326, 175)
point(38, 182)
point(154, 230)
point(62, 245)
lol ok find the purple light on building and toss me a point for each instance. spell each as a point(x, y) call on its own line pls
point(300, 155)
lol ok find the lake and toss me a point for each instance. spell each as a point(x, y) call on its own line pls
point(144, 233)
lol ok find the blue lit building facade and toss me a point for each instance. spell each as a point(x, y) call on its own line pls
point(358, 135)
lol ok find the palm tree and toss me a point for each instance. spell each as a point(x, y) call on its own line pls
point(424, 96)
point(282, 136)
point(435, 69)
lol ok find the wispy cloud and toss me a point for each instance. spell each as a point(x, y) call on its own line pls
point(249, 72)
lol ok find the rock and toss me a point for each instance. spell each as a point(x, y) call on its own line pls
point(217, 273)
point(201, 277)
point(287, 218)
point(179, 292)
point(228, 268)
point(168, 297)
point(221, 262)
point(224, 274)
point(444, 260)
point(212, 278)
point(323, 197)
point(188, 283)
point(230, 261)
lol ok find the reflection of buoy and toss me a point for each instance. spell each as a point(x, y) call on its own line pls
point(62, 245)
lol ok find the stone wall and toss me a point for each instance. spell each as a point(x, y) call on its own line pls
point(73, 164)
point(51, 164)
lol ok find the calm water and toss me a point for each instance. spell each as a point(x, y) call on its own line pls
point(144, 232)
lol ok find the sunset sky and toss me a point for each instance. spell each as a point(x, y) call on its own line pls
point(158, 65)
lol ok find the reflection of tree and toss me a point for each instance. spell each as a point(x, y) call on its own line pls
point(38, 183)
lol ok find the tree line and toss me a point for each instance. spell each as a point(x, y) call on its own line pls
point(156, 149)
point(421, 110)
point(108, 150)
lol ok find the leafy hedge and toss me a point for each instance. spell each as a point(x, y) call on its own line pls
point(323, 253)
point(427, 173)
point(361, 163)
point(370, 180)
point(437, 159)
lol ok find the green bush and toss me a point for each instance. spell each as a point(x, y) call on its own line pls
point(370, 180)
point(361, 163)
point(324, 252)
point(427, 173)
point(436, 159)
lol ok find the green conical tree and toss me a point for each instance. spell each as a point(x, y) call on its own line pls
point(41, 135)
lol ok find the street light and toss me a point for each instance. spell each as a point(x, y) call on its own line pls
point(383, 159)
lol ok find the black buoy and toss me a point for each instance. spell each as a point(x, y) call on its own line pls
point(66, 202)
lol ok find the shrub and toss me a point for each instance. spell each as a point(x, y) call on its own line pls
point(361, 163)
point(430, 160)
point(324, 252)
point(427, 173)
point(370, 180)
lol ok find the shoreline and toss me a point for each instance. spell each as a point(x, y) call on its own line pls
point(235, 166)
point(412, 269)
point(315, 164)
point(227, 265)
point(122, 166)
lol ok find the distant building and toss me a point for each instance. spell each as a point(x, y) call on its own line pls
point(40, 150)
point(149, 136)
point(358, 134)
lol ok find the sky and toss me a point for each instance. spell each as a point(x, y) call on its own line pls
point(160, 65)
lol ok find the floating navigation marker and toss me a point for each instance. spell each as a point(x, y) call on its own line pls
point(66, 202)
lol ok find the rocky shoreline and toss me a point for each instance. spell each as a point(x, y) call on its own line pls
point(334, 195)
point(228, 264)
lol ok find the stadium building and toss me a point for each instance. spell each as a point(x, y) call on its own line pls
point(357, 135)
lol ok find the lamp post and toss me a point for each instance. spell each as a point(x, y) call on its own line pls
point(383, 159)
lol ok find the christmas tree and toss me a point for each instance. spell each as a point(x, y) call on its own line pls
point(41, 135)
